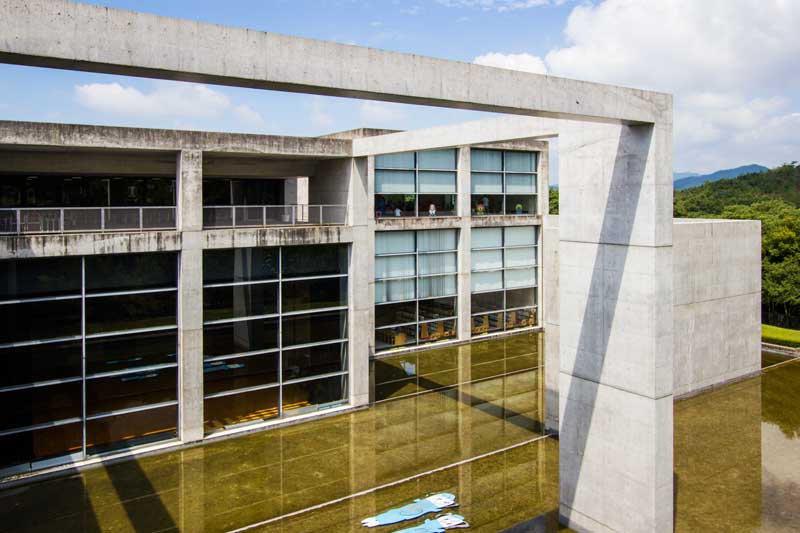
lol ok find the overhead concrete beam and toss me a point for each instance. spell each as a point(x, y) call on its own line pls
point(493, 130)
point(67, 35)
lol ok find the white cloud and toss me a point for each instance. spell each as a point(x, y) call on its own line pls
point(412, 11)
point(494, 5)
point(381, 113)
point(248, 115)
point(525, 62)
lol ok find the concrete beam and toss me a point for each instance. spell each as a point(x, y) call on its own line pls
point(67, 35)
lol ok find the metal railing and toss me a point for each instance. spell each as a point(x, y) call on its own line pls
point(238, 216)
point(85, 219)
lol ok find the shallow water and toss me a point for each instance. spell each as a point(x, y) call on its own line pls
point(737, 458)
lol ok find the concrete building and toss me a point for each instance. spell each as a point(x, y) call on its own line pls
point(202, 252)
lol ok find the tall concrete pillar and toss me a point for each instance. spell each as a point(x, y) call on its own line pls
point(190, 295)
point(615, 276)
point(362, 268)
point(464, 245)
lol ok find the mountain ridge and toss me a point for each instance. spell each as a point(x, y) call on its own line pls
point(682, 183)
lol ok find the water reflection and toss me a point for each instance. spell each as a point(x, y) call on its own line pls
point(435, 408)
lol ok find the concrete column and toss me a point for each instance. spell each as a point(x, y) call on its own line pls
point(549, 315)
point(190, 295)
point(616, 326)
point(361, 285)
point(464, 245)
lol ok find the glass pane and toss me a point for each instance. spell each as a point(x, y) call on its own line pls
point(318, 327)
point(239, 337)
point(487, 238)
point(441, 263)
point(487, 323)
point(437, 286)
point(486, 159)
point(40, 320)
point(437, 331)
point(114, 393)
point(487, 204)
point(40, 362)
point(438, 205)
point(437, 308)
point(520, 298)
point(487, 183)
point(437, 240)
point(520, 204)
point(241, 264)
point(520, 183)
point(395, 266)
point(40, 444)
point(394, 181)
point(394, 242)
point(516, 257)
point(395, 205)
point(520, 318)
point(310, 396)
point(390, 314)
point(240, 373)
point(395, 290)
point(132, 429)
point(240, 408)
point(27, 407)
point(314, 294)
point(524, 277)
point(520, 235)
point(107, 354)
point(401, 160)
point(485, 281)
point(238, 301)
point(130, 311)
point(487, 259)
point(437, 159)
point(519, 162)
point(314, 361)
point(314, 260)
point(430, 181)
point(105, 273)
point(395, 337)
point(30, 278)
point(487, 301)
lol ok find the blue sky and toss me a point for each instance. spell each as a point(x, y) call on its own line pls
point(736, 99)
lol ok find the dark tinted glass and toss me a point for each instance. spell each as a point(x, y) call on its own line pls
point(40, 362)
point(487, 301)
point(27, 407)
point(520, 318)
point(387, 315)
point(487, 323)
point(520, 298)
point(305, 329)
point(487, 204)
point(240, 373)
point(314, 260)
point(238, 337)
point(104, 395)
point(313, 361)
point(395, 337)
point(142, 191)
point(444, 205)
point(40, 320)
point(314, 294)
point(107, 354)
point(31, 278)
point(130, 311)
point(216, 192)
point(122, 272)
point(132, 429)
point(241, 264)
point(238, 408)
point(309, 396)
point(437, 308)
point(238, 301)
point(40, 444)
point(437, 331)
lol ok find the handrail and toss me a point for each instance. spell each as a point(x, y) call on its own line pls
point(34, 220)
point(235, 216)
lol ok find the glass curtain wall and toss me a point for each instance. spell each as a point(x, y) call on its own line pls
point(504, 278)
point(274, 333)
point(415, 287)
point(503, 182)
point(414, 184)
point(87, 356)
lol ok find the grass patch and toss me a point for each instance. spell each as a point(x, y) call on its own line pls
point(782, 336)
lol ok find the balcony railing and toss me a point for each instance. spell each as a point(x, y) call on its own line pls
point(241, 216)
point(85, 219)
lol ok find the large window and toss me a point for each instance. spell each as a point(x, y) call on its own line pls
point(275, 332)
point(504, 278)
point(503, 182)
point(416, 184)
point(415, 287)
point(87, 356)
